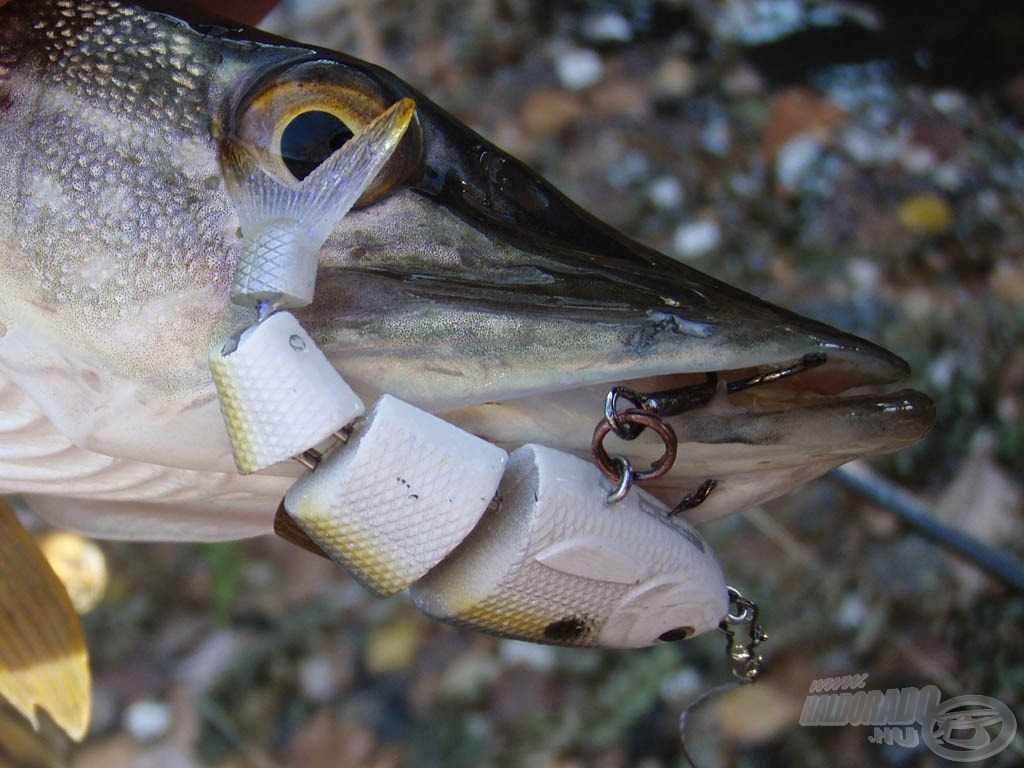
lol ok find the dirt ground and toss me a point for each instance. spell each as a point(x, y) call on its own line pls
point(869, 185)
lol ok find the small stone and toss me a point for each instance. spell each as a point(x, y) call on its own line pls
point(748, 184)
point(990, 206)
point(391, 647)
point(621, 97)
point(579, 68)
point(479, 727)
point(716, 138)
point(869, 148)
point(795, 158)
point(696, 238)
point(517, 653)
point(852, 612)
point(949, 177)
point(318, 679)
point(926, 213)
point(918, 304)
point(665, 193)
point(629, 170)
point(918, 159)
point(147, 719)
point(683, 685)
point(549, 112)
point(947, 102)
point(468, 676)
point(1007, 282)
point(675, 78)
point(864, 274)
point(606, 27)
point(742, 81)
point(800, 113)
point(940, 371)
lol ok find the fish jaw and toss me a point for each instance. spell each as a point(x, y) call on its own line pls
point(472, 288)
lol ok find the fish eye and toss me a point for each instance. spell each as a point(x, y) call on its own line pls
point(309, 139)
point(293, 119)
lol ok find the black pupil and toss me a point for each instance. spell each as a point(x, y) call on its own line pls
point(310, 139)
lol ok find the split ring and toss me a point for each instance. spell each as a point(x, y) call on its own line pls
point(643, 419)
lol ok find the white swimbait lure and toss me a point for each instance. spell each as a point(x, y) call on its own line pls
point(527, 546)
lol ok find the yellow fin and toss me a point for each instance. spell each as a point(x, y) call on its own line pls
point(43, 659)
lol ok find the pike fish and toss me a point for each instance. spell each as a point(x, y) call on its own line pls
point(462, 282)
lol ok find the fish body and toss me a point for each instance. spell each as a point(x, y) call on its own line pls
point(463, 284)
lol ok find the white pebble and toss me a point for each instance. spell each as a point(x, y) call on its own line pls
point(864, 274)
point(919, 160)
point(630, 169)
point(749, 184)
point(852, 612)
point(147, 719)
point(869, 147)
point(949, 177)
point(608, 27)
point(948, 102)
point(579, 68)
point(681, 685)
point(760, 21)
point(665, 192)
point(538, 657)
point(318, 679)
point(715, 139)
point(940, 372)
point(478, 727)
point(989, 204)
point(696, 238)
point(796, 157)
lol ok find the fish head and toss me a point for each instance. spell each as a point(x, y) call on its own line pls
point(461, 281)
point(466, 283)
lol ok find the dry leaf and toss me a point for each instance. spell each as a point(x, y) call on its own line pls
point(43, 659)
point(984, 501)
point(755, 714)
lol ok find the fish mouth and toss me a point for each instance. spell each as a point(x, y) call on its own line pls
point(744, 444)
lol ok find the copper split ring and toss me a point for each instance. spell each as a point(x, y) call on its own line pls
point(612, 468)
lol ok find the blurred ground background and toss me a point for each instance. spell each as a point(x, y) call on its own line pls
point(862, 163)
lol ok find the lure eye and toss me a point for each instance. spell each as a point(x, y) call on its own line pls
point(293, 119)
point(675, 635)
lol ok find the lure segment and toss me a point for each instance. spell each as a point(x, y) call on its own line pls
point(556, 563)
